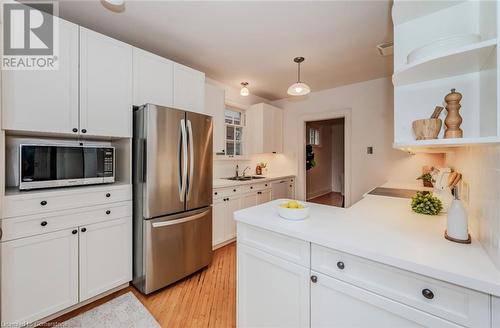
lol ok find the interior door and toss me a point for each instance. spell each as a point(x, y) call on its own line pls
point(166, 148)
point(199, 186)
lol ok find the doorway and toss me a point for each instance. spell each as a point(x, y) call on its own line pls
point(325, 161)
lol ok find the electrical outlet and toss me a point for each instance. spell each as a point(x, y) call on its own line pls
point(465, 192)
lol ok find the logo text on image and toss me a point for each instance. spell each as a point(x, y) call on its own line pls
point(30, 35)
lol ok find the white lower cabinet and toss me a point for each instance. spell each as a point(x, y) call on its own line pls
point(338, 304)
point(271, 292)
point(39, 276)
point(223, 224)
point(105, 256)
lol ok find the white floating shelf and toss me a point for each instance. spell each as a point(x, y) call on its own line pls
point(458, 61)
point(441, 145)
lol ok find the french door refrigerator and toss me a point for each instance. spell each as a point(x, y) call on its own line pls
point(172, 191)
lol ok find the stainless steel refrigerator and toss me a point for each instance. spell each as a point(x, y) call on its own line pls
point(172, 189)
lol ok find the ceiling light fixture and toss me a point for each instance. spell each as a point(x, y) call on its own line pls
point(299, 88)
point(244, 90)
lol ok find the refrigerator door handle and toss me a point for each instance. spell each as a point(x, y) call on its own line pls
point(172, 222)
point(183, 158)
point(191, 159)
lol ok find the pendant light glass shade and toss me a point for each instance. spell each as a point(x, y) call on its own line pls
point(244, 90)
point(298, 88)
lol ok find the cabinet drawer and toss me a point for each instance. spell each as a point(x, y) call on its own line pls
point(225, 192)
point(256, 187)
point(31, 202)
point(291, 249)
point(25, 226)
point(460, 305)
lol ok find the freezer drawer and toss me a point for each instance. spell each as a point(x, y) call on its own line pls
point(176, 246)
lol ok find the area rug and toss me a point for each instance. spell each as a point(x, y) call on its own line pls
point(124, 311)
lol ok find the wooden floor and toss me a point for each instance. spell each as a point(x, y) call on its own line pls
point(205, 299)
point(332, 199)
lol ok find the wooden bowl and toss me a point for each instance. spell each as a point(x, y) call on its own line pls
point(428, 128)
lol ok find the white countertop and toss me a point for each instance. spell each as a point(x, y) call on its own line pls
point(222, 183)
point(385, 230)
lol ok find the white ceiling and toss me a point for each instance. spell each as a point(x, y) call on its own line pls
point(234, 41)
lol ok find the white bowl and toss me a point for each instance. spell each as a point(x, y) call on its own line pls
point(294, 213)
point(442, 45)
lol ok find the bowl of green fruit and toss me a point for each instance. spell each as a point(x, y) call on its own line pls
point(293, 210)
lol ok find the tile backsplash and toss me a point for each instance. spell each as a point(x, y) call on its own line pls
point(276, 164)
point(480, 167)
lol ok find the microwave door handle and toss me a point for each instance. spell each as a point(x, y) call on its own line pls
point(183, 154)
point(191, 159)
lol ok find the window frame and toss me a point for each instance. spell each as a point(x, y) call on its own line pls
point(241, 125)
point(317, 136)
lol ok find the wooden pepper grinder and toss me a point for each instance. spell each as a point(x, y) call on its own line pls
point(453, 118)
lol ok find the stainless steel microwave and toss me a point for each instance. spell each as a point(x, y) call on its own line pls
point(49, 166)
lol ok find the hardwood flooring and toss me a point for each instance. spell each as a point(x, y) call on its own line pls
point(332, 199)
point(204, 299)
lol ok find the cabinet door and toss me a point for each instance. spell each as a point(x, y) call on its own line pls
point(215, 106)
point(249, 200)
point(153, 79)
point(272, 292)
point(219, 222)
point(232, 205)
point(45, 101)
point(279, 189)
point(189, 89)
point(105, 85)
point(105, 256)
point(338, 304)
point(277, 130)
point(39, 276)
point(264, 196)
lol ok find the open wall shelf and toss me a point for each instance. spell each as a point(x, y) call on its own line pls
point(471, 69)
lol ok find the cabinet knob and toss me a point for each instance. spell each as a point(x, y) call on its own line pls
point(251, 187)
point(266, 184)
point(340, 265)
point(259, 192)
point(215, 193)
point(75, 130)
point(108, 195)
point(234, 190)
point(74, 232)
point(290, 186)
point(428, 294)
point(314, 279)
point(84, 130)
point(108, 212)
point(43, 202)
point(83, 229)
point(43, 223)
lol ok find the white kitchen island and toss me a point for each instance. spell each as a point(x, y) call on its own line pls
point(375, 264)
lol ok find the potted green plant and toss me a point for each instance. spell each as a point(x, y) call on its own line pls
point(426, 179)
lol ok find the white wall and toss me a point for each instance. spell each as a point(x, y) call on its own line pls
point(371, 104)
point(480, 167)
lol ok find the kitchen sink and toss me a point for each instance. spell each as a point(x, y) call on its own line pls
point(246, 178)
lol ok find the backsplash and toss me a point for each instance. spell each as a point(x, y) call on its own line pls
point(480, 167)
point(276, 164)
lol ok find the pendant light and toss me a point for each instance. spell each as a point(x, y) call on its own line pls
point(244, 90)
point(298, 88)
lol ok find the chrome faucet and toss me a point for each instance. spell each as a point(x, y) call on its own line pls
point(246, 168)
point(237, 173)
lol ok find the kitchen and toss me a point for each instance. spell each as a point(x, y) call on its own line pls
point(141, 184)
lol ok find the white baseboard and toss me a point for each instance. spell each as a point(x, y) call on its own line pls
point(319, 193)
point(227, 242)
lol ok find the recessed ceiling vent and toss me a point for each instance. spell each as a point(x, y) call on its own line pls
point(386, 49)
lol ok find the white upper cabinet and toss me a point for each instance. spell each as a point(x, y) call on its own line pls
point(153, 79)
point(215, 106)
point(189, 89)
point(45, 101)
point(265, 124)
point(105, 85)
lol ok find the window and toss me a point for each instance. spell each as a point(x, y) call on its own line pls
point(314, 136)
point(235, 123)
